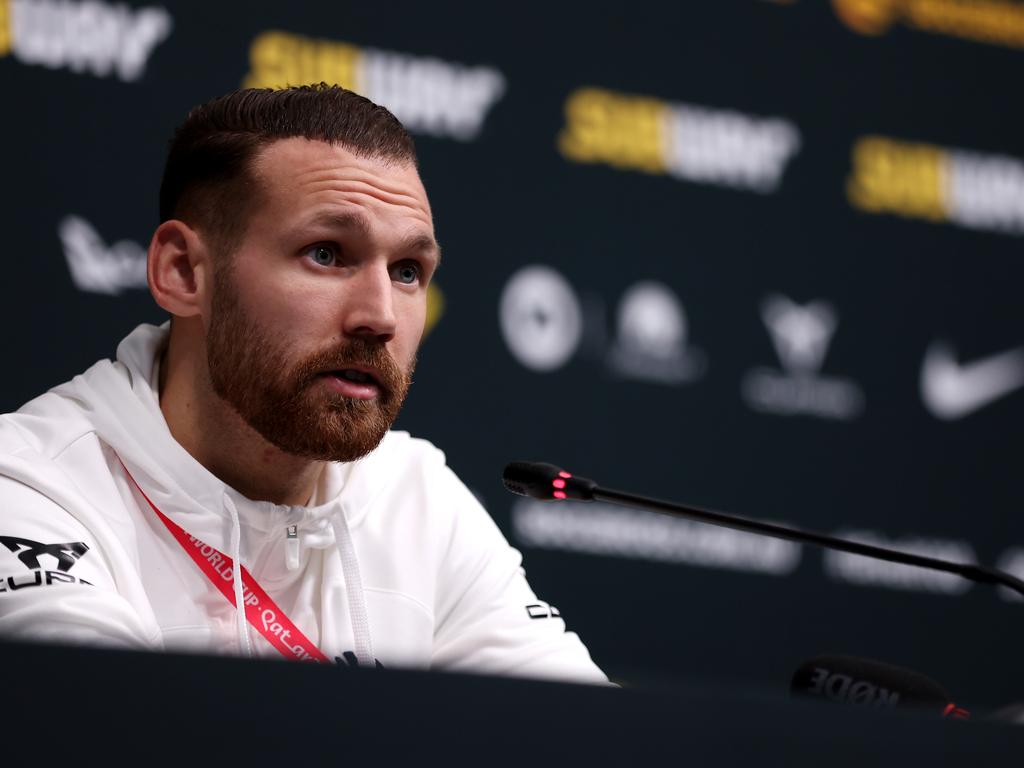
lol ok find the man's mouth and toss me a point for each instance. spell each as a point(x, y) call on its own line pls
point(353, 374)
point(354, 382)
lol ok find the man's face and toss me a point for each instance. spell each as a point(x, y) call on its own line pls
point(315, 319)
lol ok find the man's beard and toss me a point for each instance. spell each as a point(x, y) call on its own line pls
point(283, 398)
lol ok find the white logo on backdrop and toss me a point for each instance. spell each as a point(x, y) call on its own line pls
point(94, 266)
point(865, 571)
point(801, 335)
point(651, 341)
point(716, 146)
point(429, 95)
point(540, 318)
point(602, 529)
point(93, 36)
point(952, 390)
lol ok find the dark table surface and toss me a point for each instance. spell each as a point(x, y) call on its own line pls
point(65, 705)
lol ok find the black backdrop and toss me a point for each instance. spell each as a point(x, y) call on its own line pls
point(760, 256)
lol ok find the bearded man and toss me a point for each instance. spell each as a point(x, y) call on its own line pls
point(294, 252)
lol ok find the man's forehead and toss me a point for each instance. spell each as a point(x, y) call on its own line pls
point(294, 173)
point(306, 186)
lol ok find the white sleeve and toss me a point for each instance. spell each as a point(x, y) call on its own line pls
point(55, 581)
point(488, 618)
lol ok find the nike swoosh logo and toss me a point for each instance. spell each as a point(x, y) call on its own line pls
point(951, 390)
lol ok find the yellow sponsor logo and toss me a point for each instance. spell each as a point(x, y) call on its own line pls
point(279, 59)
point(687, 141)
point(429, 95)
point(898, 177)
point(435, 308)
point(995, 22)
point(923, 181)
point(5, 27)
point(869, 17)
point(620, 130)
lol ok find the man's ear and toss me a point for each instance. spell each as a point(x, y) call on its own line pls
point(178, 269)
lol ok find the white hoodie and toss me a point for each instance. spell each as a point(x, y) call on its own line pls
point(394, 560)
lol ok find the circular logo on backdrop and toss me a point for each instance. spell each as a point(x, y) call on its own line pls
point(651, 341)
point(651, 319)
point(540, 318)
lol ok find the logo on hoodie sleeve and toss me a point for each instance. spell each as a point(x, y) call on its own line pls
point(34, 555)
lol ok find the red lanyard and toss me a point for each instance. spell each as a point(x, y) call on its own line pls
point(260, 609)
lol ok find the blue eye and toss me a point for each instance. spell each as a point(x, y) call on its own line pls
point(324, 255)
point(407, 272)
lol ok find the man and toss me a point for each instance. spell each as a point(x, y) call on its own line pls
point(294, 253)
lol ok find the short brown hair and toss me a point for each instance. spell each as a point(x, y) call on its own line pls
point(208, 179)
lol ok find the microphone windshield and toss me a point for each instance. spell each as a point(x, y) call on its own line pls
point(872, 684)
point(546, 482)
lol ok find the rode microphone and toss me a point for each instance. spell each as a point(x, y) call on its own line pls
point(547, 482)
point(872, 685)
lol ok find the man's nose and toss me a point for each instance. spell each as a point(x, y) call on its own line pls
point(370, 309)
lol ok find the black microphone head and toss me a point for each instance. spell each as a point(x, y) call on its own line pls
point(872, 684)
point(546, 482)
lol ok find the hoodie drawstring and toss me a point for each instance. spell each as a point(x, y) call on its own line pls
point(244, 642)
point(354, 590)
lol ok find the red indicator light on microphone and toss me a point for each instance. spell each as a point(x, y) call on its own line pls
point(559, 494)
point(564, 474)
point(955, 712)
point(558, 483)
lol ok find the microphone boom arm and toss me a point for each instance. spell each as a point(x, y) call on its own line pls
point(549, 483)
point(977, 573)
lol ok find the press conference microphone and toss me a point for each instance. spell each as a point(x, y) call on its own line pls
point(872, 685)
point(546, 482)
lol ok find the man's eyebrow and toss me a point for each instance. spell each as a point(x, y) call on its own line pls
point(334, 220)
point(419, 242)
point(424, 244)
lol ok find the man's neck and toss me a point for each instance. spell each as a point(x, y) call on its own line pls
point(219, 439)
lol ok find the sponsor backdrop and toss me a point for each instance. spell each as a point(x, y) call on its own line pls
point(759, 256)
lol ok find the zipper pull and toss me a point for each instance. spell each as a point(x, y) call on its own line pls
point(291, 547)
